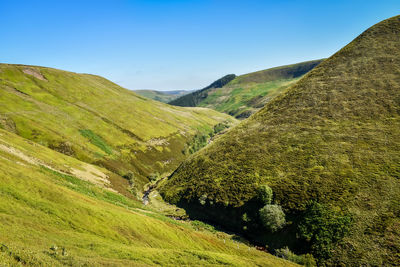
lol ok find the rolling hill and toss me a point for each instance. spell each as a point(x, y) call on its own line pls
point(195, 98)
point(243, 95)
point(65, 141)
point(318, 168)
point(98, 122)
point(58, 211)
point(162, 96)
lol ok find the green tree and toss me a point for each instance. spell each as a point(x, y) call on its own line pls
point(272, 217)
point(264, 194)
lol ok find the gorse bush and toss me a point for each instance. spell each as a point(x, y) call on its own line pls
point(323, 228)
point(272, 217)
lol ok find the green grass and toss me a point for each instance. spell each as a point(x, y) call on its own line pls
point(96, 140)
point(246, 94)
point(89, 189)
point(97, 121)
point(333, 137)
point(49, 218)
point(241, 100)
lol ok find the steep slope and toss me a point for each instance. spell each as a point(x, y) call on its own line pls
point(97, 121)
point(193, 99)
point(329, 148)
point(162, 96)
point(51, 216)
point(248, 93)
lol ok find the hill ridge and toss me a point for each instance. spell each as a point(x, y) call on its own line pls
point(333, 137)
point(245, 94)
point(193, 99)
point(97, 121)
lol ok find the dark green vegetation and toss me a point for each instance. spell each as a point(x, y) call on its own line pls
point(332, 138)
point(243, 95)
point(51, 216)
point(193, 99)
point(202, 138)
point(97, 121)
point(162, 96)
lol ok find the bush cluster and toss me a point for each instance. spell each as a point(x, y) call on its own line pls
point(323, 228)
point(272, 217)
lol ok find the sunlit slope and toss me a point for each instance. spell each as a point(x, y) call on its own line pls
point(246, 94)
point(195, 98)
point(50, 216)
point(97, 121)
point(334, 138)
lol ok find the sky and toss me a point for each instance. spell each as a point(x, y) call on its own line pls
point(176, 44)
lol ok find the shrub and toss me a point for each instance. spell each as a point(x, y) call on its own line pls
point(129, 176)
point(272, 217)
point(264, 194)
point(245, 218)
point(323, 228)
point(203, 199)
point(220, 127)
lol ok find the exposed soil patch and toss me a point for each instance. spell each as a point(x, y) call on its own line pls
point(158, 142)
point(91, 174)
point(35, 73)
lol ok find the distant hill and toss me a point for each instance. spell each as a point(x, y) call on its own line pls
point(193, 99)
point(97, 121)
point(243, 95)
point(162, 96)
point(328, 148)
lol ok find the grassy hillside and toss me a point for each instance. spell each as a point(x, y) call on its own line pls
point(195, 98)
point(248, 93)
point(162, 96)
point(97, 121)
point(328, 147)
point(56, 210)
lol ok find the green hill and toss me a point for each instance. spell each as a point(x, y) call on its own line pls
point(58, 211)
point(65, 141)
point(243, 95)
point(99, 122)
point(162, 96)
point(195, 98)
point(328, 147)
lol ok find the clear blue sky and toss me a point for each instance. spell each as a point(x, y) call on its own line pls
point(179, 44)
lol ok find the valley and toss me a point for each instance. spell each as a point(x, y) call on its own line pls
point(241, 96)
point(51, 215)
point(295, 165)
point(162, 96)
